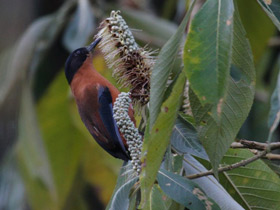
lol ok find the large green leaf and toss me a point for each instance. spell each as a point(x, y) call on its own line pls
point(254, 186)
point(61, 137)
point(163, 67)
point(216, 136)
point(210, 185)
point(185, 140)
point(207, 51)
point(184, 191)
point(271, 7)
point(155, 146)
point(33, 158)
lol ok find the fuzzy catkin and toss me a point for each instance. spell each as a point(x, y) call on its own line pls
point(131, 64)
point(127, 128)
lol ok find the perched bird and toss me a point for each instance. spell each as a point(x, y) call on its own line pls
point(95, 97)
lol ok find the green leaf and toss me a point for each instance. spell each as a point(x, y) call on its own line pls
point(254, 186)
point(33, 158)
point(184, 191)
point(207, 51)
point(155, 146)
point(185, 140)
point(274, 114)
point(120, 199)
point(80, 28)
point(271, 7)
point(210, 185)
point(163, 67)
point(216, 136)
point(60, 135)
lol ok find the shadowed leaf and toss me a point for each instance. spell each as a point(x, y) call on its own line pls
point(272, 9)
point(185, 140)
point(184, 191)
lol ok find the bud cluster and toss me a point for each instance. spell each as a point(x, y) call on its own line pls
point(131, 64)
point(128, 129)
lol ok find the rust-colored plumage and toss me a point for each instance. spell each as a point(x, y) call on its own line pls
point(95, 97)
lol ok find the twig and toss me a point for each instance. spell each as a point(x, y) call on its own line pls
point(261, 150)
point(230, 167)
point(242, 144)
point(271, 156)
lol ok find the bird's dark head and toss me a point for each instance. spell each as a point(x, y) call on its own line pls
point(77, 58)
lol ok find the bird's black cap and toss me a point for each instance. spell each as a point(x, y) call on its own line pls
point(77, 58)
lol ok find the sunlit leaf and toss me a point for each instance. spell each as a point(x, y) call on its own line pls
point(159, 138)
point(208, 48)
point(254, 186)
point(184, 191)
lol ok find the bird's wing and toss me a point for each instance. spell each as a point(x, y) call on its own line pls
point(105, 111)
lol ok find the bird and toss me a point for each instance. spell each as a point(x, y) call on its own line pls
point(95, 97)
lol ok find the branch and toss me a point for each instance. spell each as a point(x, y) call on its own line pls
point(242, 144)
point(261, 150)
point(264, 152)
point(230, 167)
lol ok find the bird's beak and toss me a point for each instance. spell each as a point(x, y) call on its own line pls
point(93, 44)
